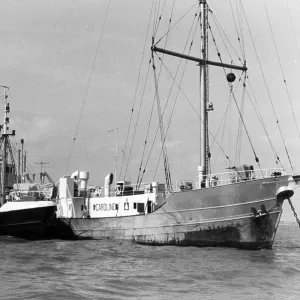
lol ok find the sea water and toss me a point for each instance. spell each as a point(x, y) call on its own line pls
point(124, 270)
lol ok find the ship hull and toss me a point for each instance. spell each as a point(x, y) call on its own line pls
point(31, 220)
point(241, 215)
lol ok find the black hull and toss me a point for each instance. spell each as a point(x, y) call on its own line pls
point(31, 224)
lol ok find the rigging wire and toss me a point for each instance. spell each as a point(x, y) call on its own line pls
point(88, 86)
point(176, 98)
point(168, 98)
point(174, 24)
point(227, 120)
point(240, 128)
point(223, 34)
point(281, 68)
point(239, 14)
point(135, 93)
point(155, 12)
point(223, 121)
point(267, 88)
point(293, 27)
point(174, 78)
point(162, 133)
point(231, 92)
point(220, 58)
point(241, 118)
point(237, 31)
point(145, 143)
point(225, 116)
point(159, 19)
point(139, 179)
point(194, 109)
point(160, 116)
point(157, 83)
point(262, 122)
point(142, 98)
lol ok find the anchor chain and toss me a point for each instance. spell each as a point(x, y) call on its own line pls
point(293, 209)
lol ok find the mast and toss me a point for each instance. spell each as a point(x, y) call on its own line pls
point(204, 87)
point(116, 152)
point(206, 95)
point(42, 174)
point(22, 161)
point(25, 158)
point(5, 143)
point(19, 160)
point(202, 169)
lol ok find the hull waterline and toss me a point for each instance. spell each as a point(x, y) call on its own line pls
point(242, 215)
point(251, 233)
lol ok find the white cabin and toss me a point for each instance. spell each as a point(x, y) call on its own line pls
point(78, 200)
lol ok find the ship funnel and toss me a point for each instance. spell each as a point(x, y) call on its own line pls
point(75, 175)
point(80, 179)
point(284, 192)
point(83, 177)
point(107, 182)
point(200, 176)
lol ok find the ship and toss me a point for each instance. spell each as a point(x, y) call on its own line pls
point(239, 208)
point(26, 211)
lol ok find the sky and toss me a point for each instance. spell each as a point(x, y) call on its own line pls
point(47, 55)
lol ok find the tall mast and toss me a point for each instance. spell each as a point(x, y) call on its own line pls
point(206, 84)
point(202, 169)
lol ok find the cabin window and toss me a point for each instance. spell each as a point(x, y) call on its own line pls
point(81, 207)
point(134, 205)
point(126, 206)
point(117, 206)
point(94, 207)
point(141, 207)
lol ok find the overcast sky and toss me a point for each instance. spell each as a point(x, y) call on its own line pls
point(47, 52)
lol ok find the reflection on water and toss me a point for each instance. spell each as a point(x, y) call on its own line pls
point(123, 270)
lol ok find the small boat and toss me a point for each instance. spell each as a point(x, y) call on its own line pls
point(240, 208)
point(25, 211)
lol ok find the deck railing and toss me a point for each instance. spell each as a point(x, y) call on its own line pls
point(25, 195)
point(211, 180)
point(124, 190)
point(225, 178)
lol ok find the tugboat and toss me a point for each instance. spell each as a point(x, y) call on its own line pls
point(28, 215)
point(240, 208)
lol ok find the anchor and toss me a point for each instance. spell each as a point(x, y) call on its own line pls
point(262, 222)
point(259, 213)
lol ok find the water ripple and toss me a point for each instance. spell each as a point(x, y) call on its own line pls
point(123, 270)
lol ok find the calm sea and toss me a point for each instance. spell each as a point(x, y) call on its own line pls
point(123, 270)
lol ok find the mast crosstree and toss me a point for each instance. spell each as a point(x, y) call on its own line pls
point(204, 86)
